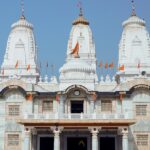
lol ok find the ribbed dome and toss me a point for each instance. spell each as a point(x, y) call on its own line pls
point(22, 23)
point(134, 20)
point(78, 66)
point(81, 20)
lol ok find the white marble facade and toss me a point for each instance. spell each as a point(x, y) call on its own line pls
point(79, 110)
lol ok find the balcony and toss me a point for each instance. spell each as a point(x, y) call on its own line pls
point(80, 116)
point(76, 120)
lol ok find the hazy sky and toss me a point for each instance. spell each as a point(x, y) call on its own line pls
point(52, 20)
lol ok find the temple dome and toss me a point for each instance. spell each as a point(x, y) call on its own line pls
point(77, 65)
point(134, 20)
point(80, 20)
point(22, 22)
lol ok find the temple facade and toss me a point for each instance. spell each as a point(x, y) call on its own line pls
point(78, 111)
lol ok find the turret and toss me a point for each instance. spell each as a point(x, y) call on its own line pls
point(80, 66)
point(134, 48)
point(20, 60)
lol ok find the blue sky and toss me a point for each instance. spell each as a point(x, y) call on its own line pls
point(52, 20)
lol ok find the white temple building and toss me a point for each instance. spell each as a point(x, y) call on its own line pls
point(78, 111)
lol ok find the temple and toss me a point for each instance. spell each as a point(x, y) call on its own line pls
point(78, 111)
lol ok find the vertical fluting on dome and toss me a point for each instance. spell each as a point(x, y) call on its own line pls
point(80, 66)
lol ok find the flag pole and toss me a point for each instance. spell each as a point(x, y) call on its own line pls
point(40, 67)
point(46, 67)
point(52, 69)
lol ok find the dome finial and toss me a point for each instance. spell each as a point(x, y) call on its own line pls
point(133, 8)
point(80, 7)
point(80, 19)
point(22, 10)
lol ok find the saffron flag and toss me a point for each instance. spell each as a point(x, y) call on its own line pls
point(57, 97)
point(111, 65)
point(29, 97)
point(2, 72)
point(16, 65)
point(139, 65)
point(101, 64)
point(106, 65)
point(121, 68)
point(121, 97)
point(28, 67)
point(94, 96)
point(75, 51)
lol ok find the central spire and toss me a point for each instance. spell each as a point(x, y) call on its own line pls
point(133, 8)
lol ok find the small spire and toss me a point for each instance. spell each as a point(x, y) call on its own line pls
point(133, 8)
point(79, 5)
point(22, 10)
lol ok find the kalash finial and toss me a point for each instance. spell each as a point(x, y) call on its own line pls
point(133, 8)
point(80, 19)
point(22, 10)
point(80, 7)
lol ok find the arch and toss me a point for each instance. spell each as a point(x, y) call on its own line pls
point(140, 86)
point(72, 87)
point(77, 96)
point(15, 84)
point(136, 84)
point(8, 89)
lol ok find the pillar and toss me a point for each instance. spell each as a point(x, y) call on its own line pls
point(27, 138)
point(57, 131)
point(34, 139)
point(124, 133)
point(62, 104)
point(90, 98)
point(92, 106)
point(94, 132)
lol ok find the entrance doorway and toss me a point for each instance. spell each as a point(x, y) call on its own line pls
point(46, 143)
point(107, 143)
point(78, 143)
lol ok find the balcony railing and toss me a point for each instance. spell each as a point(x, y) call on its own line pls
point(80, 116)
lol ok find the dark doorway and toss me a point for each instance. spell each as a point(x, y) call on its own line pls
point(76, 106)
point(107, 143)
point(76, 143)
point(46, 143)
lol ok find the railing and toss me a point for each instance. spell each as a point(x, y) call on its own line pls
point(80, 116)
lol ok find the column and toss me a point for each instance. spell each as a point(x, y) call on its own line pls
point(62, 104)
point(27, 135)
point(57, 131)
point(124, 132)
point(91, 104)
point(34, 139)
point(94, 132)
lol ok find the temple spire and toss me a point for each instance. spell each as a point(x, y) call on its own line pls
point(133, 8)
point(22, 10)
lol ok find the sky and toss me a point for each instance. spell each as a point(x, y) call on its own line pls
point(52, 20)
